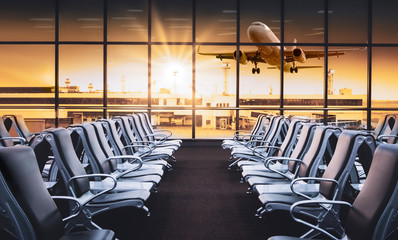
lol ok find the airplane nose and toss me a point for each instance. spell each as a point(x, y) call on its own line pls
point(251, 32)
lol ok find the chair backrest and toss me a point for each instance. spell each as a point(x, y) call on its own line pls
point(384, 124)
point(67, 161)
point(270, 126)
point(303, 144)
point(313, 157)
point(93, 150)
point(290, 139)
point(5, 134)
point(375, 208)
point(394, 132)
point(19, 124)
point(275, 132)
point(138, 128)
point(259, 125)
point(21, 179)
point(113, 136)
point(342, 162)
point(127, 133)
point(146, 124)
point(102, 139)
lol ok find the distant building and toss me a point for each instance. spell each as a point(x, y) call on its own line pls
point(345, 91)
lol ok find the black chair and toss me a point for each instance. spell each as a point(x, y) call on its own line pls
point(242, 137)
point(28, 205)
point(77, 182)
point(372, 216)
point(333, 180)
point(160, 140)
point(19, 124)
point(306, 166)
point(5, 138)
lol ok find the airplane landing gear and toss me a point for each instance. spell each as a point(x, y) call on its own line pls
point(293, 69)
point(256, 70)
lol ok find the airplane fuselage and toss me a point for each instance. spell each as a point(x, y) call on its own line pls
point(260, 33)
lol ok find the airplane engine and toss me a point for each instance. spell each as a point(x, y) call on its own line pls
point(242, 57)
point(299, 55)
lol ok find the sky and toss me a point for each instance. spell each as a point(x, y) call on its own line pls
point(33, 65)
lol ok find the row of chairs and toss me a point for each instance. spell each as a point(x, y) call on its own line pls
point(99, 166)
point(309, 175)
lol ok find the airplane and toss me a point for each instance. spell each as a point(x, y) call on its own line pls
point(259, 32)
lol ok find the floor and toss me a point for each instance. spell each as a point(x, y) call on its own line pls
point(199, 199)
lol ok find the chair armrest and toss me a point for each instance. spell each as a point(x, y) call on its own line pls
point(322, 203)
point(162, 139)
point(21, 139)
point(135, 158)
point(146, 143)
point(169, 133)
point(241, 137)
point(379, 138)
point(266, 164)
point(76, 200)
point(316, 179)
point(85, 201)
point(259, 154)
point(142, 153)
point(269, 160)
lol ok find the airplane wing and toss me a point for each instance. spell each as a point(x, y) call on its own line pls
point(252, 56)
point(315, 54)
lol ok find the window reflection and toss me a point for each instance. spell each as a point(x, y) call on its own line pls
point(265, 11)
point(305, 116)
point(304, 21)
point(171, 23)
point(24, 20)
point(36, 119)
point(128, 20)
point(81, 75)
point(215, 79)
point(384, 19)
point(348, 119)
point(348, 21)
point(347, 77)
point(215, 123)
point(82, 23)
point(127, 75)
point(216, 23)
point(179, 122)
point(384, 83)
point(305, 88)
point(171, 75)
point(259, 89)
point(27, 75)
point(68, 117)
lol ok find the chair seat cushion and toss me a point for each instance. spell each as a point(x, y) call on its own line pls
point(100, 234)
point(121, 196)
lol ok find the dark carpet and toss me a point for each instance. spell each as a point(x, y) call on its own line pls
point(199, 199)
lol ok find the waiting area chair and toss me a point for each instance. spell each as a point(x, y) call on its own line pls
point(372, 216)
point(26, 203)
